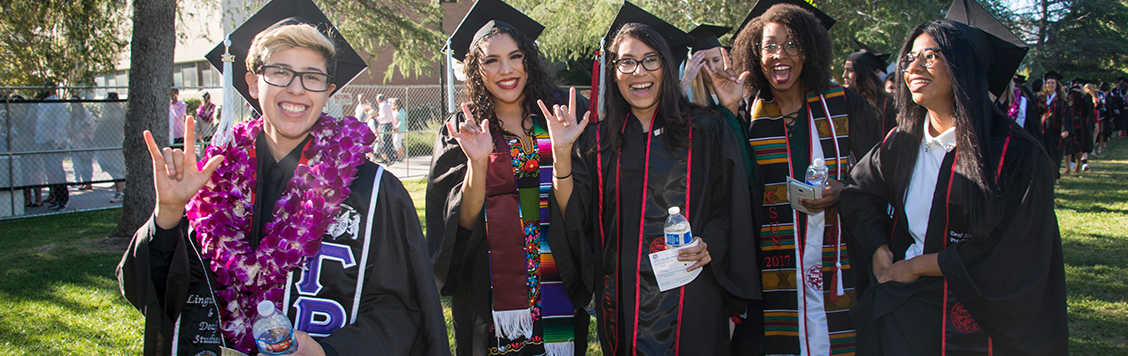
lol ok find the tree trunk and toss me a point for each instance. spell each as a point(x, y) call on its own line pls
point(150, 81)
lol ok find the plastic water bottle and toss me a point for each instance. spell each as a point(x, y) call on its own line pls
point(816, 174)
point(273, 332)
point(677, 229)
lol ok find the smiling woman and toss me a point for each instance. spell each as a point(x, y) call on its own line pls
point(953, 201)
point(795, 117)
point(490, 162)
point(253, 224)
point(654, 151)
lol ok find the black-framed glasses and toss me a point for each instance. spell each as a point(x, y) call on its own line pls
point(283, 77)
point(926, 55)
point(790, 47)
point(630, 65)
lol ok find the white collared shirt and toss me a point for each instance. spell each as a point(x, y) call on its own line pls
point(922, 186)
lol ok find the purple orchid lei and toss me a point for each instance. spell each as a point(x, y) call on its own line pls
point(221, 216)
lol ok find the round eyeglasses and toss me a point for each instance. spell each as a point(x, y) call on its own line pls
point(283, 77)
point(791, 48)
point(630, 65)
point(927, 58)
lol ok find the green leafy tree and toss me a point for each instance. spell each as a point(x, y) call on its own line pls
point(1090, 40)
point(67, 41)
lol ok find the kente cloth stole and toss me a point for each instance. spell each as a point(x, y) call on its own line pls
point(526, 283)
point(780, 280)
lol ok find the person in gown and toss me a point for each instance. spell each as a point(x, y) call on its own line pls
point(651, 151)
point(487, 197)
point(796, 116)
point(1054, 112)
point(705, 54)
point(862, 74)
point(973, 262)
point(289, 212)
point(1020, 105)
point(1079, 115)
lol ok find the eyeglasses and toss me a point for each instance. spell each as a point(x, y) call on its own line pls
point(927, 56)
point(791, 48)
point(630, 65)
point(283, 77)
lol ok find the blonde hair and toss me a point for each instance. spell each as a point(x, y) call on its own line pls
point(281, 38)
point(700, 95)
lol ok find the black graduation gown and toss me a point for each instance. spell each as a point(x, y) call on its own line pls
point(461, 257)
point(163, 275)
point(887, 114)
point(605, 255)
point(1009, 286)
point(1054, 116)
point(1077, 123)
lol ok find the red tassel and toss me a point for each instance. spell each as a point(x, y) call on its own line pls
point(594, 102)
point(834, 284)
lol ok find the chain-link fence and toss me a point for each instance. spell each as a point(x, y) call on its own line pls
point(57, 142)
point(61, 148)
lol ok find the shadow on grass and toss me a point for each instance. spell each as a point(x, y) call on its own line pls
point(60, 295)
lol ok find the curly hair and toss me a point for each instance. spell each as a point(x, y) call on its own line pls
point(538, 86)
point(804, 29)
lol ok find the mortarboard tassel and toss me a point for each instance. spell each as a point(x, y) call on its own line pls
point(602, 75)
point(593, 106)
point(223, 130)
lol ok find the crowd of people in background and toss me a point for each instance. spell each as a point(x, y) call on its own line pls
point(53, 130)
point(388, 119)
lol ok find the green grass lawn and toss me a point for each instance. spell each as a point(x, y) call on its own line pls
point(59, 294)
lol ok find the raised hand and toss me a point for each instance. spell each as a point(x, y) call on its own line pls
point(475, 140)
point(727, 84)
point(176, 177)
point(692, 67)
point(563, 129)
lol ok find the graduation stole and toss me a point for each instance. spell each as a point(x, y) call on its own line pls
point(611, 288)
point(526, 283)
point(221, 214)
point(784, 230)
point(960, 331)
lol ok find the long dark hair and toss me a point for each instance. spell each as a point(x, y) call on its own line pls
point(869, 85)
point(538, 86)
point(976, 118)
point(673, 107)
point(805, 29)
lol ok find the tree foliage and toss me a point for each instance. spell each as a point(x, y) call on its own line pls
point(65, 41)
point(1089, 40)
point(412, 29)
point(1083, 37)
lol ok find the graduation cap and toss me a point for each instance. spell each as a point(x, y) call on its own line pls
point(1123, 79)
point(706, 36)
point(1052, 75)
point(484, 16)
point(677, 39)
point(998, 49)
point(280, 13)
point(762, 6)
point(1019, 79)
point(868, 56)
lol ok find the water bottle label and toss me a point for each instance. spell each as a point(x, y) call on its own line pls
point(280, 347)
point(678, 239)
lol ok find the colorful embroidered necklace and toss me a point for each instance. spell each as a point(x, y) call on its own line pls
point(221, 216)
